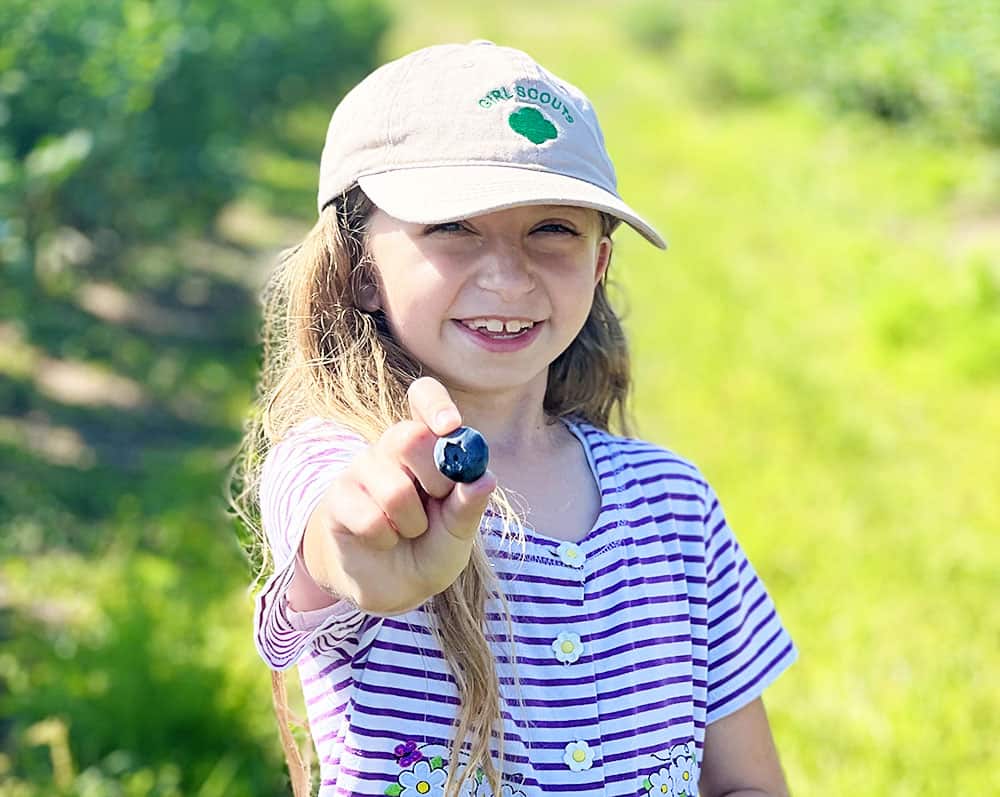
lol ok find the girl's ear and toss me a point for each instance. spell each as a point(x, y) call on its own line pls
point(604, 249)
point(368, 295)
point(369, 298)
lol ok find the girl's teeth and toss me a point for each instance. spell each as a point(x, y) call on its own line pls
point(496, 325)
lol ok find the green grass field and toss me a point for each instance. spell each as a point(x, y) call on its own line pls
point(822, 338)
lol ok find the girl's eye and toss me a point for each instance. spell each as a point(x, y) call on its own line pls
point(555, 227)
point(454, 227)
point(447, 227)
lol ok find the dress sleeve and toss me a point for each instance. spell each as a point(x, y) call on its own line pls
point(748, 647)
point(294, 477)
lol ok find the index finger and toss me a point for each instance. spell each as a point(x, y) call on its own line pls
point(431, 404)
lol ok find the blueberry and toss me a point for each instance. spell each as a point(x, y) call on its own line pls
point(462, 455)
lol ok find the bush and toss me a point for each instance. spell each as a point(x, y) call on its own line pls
point(654, 24)
point(125, 125)
point(132, 116)
point(130, 687)
point(935, 62)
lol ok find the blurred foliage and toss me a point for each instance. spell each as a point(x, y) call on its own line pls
point(654, 24)
point(124, 314)
point(128, 119)
point(130, 131)
point(126, 656)
point(934, 62)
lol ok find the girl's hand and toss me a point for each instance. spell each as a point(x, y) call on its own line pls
point(391, 531)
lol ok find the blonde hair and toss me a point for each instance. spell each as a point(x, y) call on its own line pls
point(324, 356)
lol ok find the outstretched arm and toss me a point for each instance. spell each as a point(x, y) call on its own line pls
point(740, 759)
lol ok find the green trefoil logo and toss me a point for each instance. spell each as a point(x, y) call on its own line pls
point(532, 124)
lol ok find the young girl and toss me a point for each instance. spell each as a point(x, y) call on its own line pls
point(607, 636)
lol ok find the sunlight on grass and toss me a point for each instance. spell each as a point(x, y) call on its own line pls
point(816, 341)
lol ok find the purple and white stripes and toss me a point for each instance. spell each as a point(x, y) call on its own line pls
point(675, 627)
point(296, 473)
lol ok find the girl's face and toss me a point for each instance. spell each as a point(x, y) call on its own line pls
point(530, 264)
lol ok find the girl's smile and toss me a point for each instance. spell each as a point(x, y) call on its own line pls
point(488, 303)
point(507, 339)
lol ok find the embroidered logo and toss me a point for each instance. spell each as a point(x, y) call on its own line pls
point(530, 99)
point(532, 124)
point(530, 93)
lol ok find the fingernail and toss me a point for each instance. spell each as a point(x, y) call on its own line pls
point(486, 479)
point(446, 419)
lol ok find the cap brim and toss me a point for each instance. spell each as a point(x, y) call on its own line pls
point(438, 194)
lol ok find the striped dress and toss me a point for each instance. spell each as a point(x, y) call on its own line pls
point(626, 643)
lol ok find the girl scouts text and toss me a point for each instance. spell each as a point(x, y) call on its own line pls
point(530, 93)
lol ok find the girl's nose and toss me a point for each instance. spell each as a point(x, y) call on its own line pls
point(505, 270)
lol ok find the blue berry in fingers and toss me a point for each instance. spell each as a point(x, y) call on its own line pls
point(462, 455)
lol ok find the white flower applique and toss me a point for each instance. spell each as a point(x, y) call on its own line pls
point(570, 553)
point(424, 780)
point(677, 777)
point(578, 756)
point(568, 647)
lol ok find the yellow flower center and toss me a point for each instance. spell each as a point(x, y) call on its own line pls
point(571, 553)
point(568, 647)
point(579, 755)
point(663, 788)
point(686, 775)
point(423, 787)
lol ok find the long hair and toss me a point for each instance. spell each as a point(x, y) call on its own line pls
point(324, 356)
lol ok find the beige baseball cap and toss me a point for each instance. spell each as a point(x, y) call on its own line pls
point(458, 130)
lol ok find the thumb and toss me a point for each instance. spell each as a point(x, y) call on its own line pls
point(462, 510)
